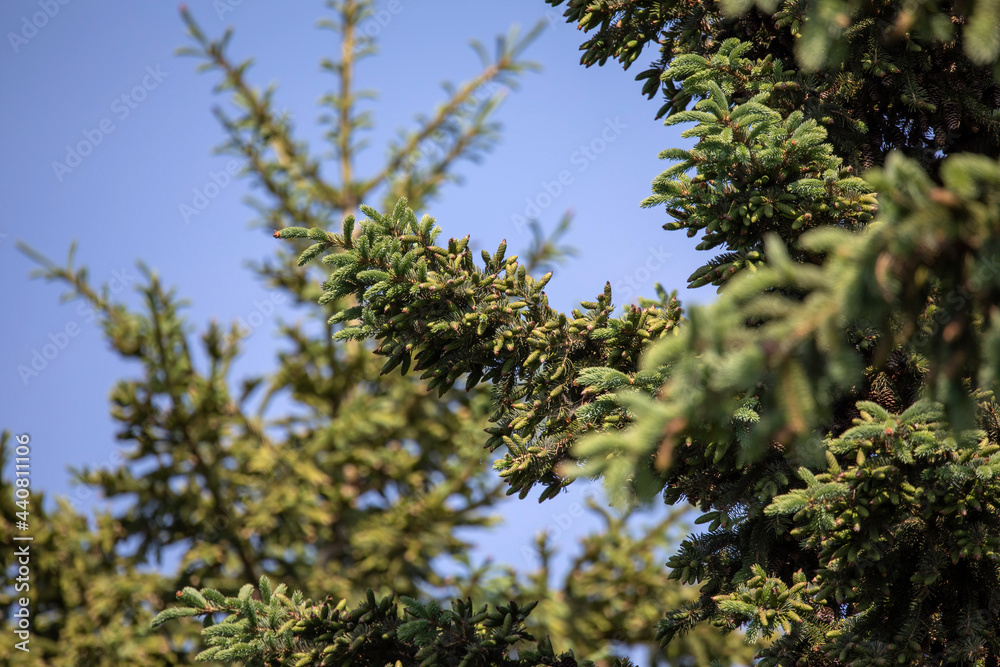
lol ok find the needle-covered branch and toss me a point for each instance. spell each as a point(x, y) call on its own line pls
point(278, 629)
point(759, 169)
point(433, 308)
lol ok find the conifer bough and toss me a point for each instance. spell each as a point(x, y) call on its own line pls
point(433, 308)
point(375, 631)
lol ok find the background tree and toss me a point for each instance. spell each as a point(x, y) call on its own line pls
point(832, 414)
point(320, 475)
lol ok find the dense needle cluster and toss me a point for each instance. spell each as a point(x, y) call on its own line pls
point(432, 307)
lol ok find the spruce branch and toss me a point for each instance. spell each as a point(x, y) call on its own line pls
point(853, 61)
point(757, 171)
point(861, 501)
point(432, 307)
point(278, 629)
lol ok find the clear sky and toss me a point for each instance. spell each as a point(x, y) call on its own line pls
point(63, 76)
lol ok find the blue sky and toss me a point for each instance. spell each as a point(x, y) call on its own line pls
point(64, 74)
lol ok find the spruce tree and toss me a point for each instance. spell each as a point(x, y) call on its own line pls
point(832, 414)
point(320, 476)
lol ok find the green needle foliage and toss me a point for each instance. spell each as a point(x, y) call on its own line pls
point(319, 474)
point(833, 413)
point(882, 75)
point(433, 307)
point(329, 634)
point(758, 169)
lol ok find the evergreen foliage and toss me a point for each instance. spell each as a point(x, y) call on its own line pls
point(491, 324)
point(759, 169)
point(832, 414)
point(96, 604)
point(325, 634)
point(317, 474)
point(881, 75)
